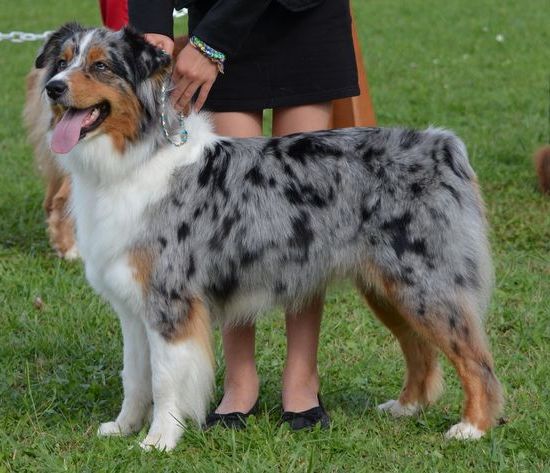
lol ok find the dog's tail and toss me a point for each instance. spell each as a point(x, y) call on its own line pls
point(542, 168)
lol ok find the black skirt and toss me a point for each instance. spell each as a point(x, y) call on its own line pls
point(289, 59)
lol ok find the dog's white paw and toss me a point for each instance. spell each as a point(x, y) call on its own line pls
point(464, 431)
point(109, 429)
point(396, 409)
point(72, 253)
point(160, 442)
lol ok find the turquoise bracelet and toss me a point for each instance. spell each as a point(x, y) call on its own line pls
point(211, 53)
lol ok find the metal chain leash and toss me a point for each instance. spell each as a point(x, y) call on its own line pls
point(22, 36)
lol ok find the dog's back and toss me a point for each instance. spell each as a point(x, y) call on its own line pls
point(273, 220)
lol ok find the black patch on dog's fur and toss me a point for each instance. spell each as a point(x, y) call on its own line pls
point(310, 147)
point(183, 231)
point(146, 58)
point(373, 153)
point(52, 47)
point(255, 176)
point(398, 229)
point(368, 211)
point(248, 257)
point(409, 139)
point(225, 284)
point(191, 267)
point(206, 171)
point(452, 191)
point(302, 236)
point(416, 188)
point(292, 195)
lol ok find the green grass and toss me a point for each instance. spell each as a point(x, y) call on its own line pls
point(429, 63)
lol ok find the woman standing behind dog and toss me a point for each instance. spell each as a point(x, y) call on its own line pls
point(244, 56)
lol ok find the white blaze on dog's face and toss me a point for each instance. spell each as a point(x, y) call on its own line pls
point(93, 82)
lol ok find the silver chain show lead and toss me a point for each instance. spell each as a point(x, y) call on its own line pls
point(179, 138)
point(22, 36)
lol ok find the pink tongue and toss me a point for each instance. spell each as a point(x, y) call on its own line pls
point(67, 132)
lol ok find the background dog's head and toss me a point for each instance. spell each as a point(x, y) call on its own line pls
point(100, 82)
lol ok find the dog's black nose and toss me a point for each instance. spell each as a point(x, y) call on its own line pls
point(56, 89)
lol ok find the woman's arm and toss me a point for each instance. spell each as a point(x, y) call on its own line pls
point(224, 27)
point(228, 23)
point(152, 16)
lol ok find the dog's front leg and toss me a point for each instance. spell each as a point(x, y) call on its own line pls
point(136, 379)
point(182, 375)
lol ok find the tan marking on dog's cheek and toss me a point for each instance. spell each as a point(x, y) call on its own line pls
point(197, 327)
point(124, 118)
point(58, 112)
point(141, 261)
point(123, 121)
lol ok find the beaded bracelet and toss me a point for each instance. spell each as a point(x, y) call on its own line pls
point(211, 53)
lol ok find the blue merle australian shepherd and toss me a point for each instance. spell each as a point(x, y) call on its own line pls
point(221, 229)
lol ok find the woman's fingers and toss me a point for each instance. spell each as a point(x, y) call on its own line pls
point(160, 41)
point(203, 94)
point(185, 97)
point(192, 71)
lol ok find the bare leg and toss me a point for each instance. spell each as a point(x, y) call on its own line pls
point(300, 378)
point(241, 382)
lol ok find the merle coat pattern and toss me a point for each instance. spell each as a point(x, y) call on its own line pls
point(226, 228)
point(284, 216)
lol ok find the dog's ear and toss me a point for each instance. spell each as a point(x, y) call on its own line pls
point(54, 41)
point(147, 59)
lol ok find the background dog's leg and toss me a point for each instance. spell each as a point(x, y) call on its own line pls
point(136, 379)
point(423, 383)
point(183, 375)
point(60, 223)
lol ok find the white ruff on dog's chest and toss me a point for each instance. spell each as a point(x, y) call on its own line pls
point(111, 192)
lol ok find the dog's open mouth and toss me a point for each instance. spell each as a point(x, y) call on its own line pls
point(75, 124)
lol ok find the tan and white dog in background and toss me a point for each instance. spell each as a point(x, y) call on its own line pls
point(38, 117)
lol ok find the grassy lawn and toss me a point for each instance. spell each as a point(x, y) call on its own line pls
point(429, 63)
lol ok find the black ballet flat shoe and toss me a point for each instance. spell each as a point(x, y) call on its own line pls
point(231, 420)
point(307, 419)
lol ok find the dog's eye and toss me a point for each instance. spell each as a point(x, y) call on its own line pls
point(100, 66)
point(61, 64)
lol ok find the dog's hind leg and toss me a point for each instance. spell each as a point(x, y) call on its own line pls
point(182, 375)
point(454, 326)
point(423, 382)
point(136, 379)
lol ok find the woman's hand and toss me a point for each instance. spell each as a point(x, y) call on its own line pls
point(192, 71)
point(161, 41)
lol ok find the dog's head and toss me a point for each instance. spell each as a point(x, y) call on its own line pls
point(99, 82)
